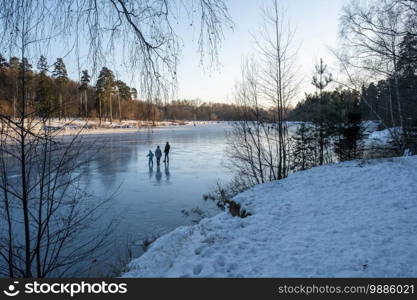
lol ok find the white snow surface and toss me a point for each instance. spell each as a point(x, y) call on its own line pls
point(353, 219)
point(382, 136)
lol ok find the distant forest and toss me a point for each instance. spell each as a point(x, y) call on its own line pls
point(51, 92)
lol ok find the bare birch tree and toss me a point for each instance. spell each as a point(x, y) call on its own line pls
point(250, 150)
point(259, 147)
point(279, 74)
point(371, 34)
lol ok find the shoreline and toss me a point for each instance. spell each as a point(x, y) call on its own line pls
point(90, 127)
point(122, 130)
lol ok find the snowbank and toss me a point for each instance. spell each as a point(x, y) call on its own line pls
point(85, 127)
point(383, 137)
point(339, 220)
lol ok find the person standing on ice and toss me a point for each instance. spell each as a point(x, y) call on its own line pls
point(150, 155)
point(166, 151)
point(158, 154)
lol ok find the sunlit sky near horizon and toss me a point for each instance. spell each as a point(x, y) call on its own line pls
point(316, 23)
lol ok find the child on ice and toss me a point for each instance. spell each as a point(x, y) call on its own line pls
point(150, 155)
point(158, 154)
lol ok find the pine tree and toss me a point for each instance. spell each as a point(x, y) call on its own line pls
point(25, 78)
point(3, 82)
point(123, 93)
point(124, 90)
point(321, 80)
point(134, 93)
point(104, 87)
point(26, 67)
point(85, 81)
point(407, 62)
point(14, 63)
point(370, 104)
point(43, 98)
point(304, 151)
point(61, 77)
point(407, 65)
point(42, 65)
point(3, 63)
point(351, 133)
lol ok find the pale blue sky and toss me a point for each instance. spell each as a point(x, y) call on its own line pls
point(316, 23)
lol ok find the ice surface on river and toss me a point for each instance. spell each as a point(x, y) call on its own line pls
point(148, 202)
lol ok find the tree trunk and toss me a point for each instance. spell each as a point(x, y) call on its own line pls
point(110, 109)
point(120, 111)
point(60, 106)
point(25, 199)
point(86, 103)
point(99, 111)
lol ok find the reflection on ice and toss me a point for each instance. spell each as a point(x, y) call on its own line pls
point(150, 199)
point(158, 175)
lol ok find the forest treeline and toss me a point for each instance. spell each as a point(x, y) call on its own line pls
point(51, 92)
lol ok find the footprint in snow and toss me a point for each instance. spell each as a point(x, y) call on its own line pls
point(197, 269)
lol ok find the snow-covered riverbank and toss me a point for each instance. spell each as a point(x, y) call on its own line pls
point(348, 219)
point(85, 127)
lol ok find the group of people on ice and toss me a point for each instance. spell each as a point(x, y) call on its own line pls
point(158, 155)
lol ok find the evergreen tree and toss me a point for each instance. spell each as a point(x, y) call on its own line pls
point(25, 80)
point(85, 81)
point(3, 83)
point(123, 93)
point(407, 62)
point(351, 133)
point(43, 98)
point(14, 63)
point(124, 90)
point(407, 65)
point(26, 67)
point(104, 87)
point(321, 80)
point(304, 151)
point(43, 65)
point(61, 77)
point(370, 105)
point(134, 93)
point(3, 63)
point(60, 70)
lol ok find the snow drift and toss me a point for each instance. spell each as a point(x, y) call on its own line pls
point(346, 220)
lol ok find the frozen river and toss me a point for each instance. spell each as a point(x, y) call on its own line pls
point(149, 201)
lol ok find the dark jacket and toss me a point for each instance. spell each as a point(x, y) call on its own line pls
point(158, 152)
